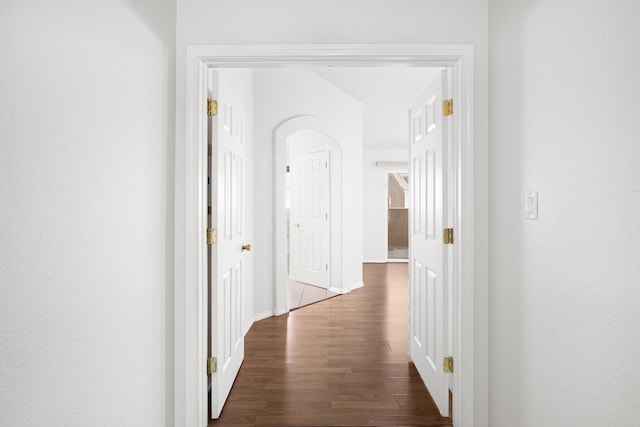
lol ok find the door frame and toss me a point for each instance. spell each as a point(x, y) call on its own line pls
point(470, 266)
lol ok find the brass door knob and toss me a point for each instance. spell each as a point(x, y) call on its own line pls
point(246, 247)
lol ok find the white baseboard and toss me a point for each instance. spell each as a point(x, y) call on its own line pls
point(357, 285)
point(263, 315)
point(343, 291)
point(339, 291)
point(374, 261)
point(280, 311)
point(397, 260)
point(246, 330)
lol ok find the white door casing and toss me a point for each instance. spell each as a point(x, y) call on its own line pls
point(428, 276)
point(227, 256)
point(310, 219)
point(470, 317)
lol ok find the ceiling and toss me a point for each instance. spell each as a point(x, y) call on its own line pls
point(387, 93)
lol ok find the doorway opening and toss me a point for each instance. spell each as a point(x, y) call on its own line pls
point(398, 217)
point(469, 328)
point(309, 217)
point(299, 140)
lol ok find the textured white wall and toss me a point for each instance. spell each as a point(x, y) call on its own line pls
point(564, 296)
point(282, 93)
point(86, 225)
point(374, 218)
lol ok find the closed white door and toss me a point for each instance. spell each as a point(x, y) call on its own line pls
point(427, 275)
point(309, 222)
point(227, 258)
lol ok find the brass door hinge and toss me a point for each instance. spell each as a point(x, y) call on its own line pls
point(447, 364)
point(212, 236)
point(447, 107)
point(212, 107)
point(447, 236)
point(212, 365)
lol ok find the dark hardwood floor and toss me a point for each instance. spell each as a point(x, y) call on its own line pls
point(339, 362)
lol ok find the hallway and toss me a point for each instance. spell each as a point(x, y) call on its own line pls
point(339, 362)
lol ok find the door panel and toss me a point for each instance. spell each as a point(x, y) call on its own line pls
point(310, 225)
point(427, 329)
point(226, 194)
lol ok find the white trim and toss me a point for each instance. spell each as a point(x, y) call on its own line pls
point(470, 344)
point(263, 315)
point(245, 329)
point(390, 165)
point(356, 285)
point(381, 261)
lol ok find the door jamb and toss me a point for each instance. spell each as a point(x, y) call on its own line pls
point(470, 291)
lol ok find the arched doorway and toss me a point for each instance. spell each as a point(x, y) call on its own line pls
point(319, 134)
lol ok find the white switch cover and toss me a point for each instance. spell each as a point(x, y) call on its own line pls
point(531, 205)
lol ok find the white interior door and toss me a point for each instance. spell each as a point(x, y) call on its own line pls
point(427, 275)
point(309, 222)
point(227, 185)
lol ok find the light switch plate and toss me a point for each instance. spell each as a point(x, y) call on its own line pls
point(531, 205)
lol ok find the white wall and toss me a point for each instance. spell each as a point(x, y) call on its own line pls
point(374, 218)
point(564, 289)
point(280, 94)
point(86, 220)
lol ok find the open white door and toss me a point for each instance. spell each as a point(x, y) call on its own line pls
point(227, 216)
point(427, 275)
point(309, 223)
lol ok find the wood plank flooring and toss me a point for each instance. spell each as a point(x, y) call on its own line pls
point(339, 362)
